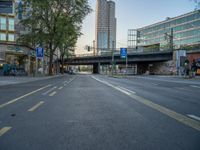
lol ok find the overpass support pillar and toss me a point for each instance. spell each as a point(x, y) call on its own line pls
point(96, 68)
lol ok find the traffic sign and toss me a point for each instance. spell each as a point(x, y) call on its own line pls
point(39, 52)
point(123, 52)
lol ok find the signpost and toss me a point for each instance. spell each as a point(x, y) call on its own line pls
point(39, 55)
point(123, 55)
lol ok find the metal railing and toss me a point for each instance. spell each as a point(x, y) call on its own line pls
point(129, 51)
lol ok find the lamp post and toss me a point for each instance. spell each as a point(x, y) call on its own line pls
point(113, 57)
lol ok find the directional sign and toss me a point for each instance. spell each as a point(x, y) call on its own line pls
point(39, 52)
point(20, 10)
point(123, 52)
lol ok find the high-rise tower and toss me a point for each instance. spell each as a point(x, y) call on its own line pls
point(105, 25)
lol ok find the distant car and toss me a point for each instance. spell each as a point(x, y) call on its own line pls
point(69, 71)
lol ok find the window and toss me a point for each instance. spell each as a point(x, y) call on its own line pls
point(2, 23)
point(11, 37)
point(11, 23)
point(2, 37)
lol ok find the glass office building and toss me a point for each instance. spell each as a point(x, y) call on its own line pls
point(183, 31)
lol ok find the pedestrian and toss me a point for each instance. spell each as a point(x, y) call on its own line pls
point(194, 68)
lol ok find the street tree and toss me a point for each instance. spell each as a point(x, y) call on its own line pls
point(44, 22)
point(69, 39)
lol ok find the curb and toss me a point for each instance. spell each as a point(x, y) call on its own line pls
point(34, 79)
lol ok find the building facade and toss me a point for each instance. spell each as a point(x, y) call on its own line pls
point(7, 26)
point(181, 32)
point(12, 55)
point(105, 25)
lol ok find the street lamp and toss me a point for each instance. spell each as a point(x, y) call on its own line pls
point(113, 57)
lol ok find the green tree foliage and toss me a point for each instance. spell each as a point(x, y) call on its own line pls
point(53, 24)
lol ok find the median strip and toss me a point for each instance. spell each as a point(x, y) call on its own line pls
point(179, 117)
point(4, 130)
point(21, 97)
point(36, 106)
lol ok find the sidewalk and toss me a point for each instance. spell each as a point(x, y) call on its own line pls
point(7, 80)
point(174, 79)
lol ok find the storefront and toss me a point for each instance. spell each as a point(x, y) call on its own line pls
point(18, 60)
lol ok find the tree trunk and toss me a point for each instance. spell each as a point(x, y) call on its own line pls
point(51, 59)
point(62, 64)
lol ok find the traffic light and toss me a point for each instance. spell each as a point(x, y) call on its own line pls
point(88, 48)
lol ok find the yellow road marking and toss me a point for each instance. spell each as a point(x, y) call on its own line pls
point(53, 93)
point(4, 130)
point(21, 97)
point(36, 106)
point(60, 88)
point(179, 117)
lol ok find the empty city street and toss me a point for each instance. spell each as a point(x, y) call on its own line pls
point(96, 112)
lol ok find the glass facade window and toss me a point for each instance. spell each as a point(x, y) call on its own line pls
point(2, 37)
point(186, 31)
point(11, 37)
point(2, 23)
point(11, 24)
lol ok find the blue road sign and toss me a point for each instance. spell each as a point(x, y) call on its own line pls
point(20, 10)
point(39, 52)
point(123, 52)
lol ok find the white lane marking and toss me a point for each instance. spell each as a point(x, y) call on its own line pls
point(60, 88)
point(52, 94)
point(4, 130)
point(194, 86)
point(127, 90)
point(67, 82)
point(36, 106)
point(21, 97)
point(179, 117)
point(194, 117)
point(121, 89)
point(49, 90)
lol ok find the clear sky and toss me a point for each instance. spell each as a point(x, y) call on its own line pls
point(133, 14)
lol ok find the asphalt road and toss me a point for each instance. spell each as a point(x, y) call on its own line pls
point(94, 112)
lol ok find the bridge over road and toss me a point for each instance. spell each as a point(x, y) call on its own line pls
point(138, 58)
